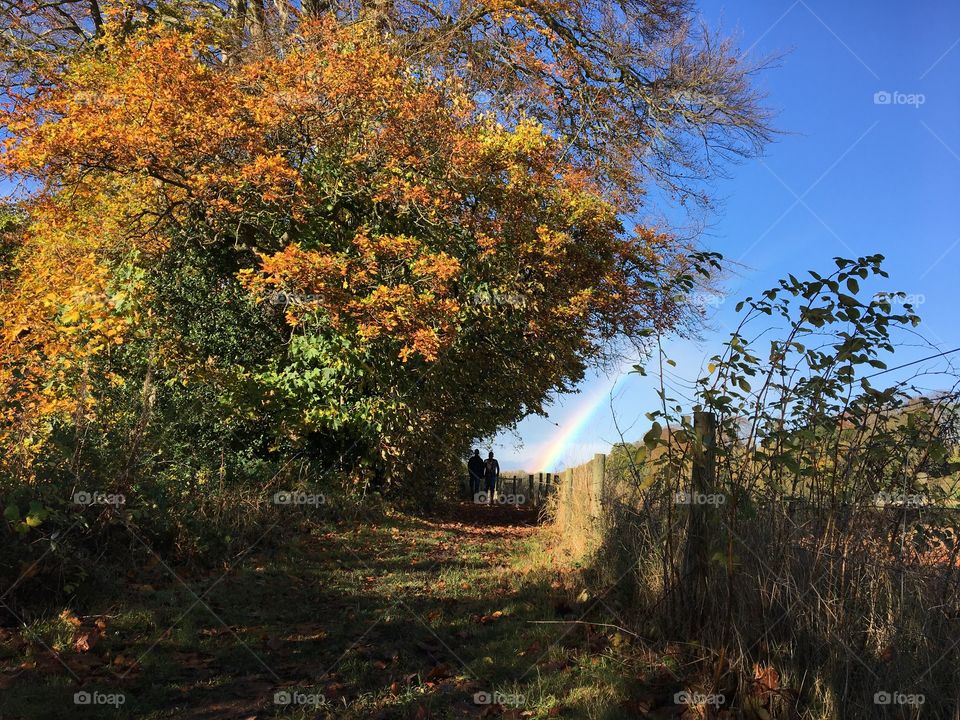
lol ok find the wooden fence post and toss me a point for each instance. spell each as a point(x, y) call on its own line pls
point(703, 527)
point(599, 467)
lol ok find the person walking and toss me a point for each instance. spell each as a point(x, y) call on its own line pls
point(477, 468)
point(491, 471)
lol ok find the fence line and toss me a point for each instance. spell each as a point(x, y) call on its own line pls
point(535, 488)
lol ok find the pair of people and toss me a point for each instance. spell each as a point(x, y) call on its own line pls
point(485, 473)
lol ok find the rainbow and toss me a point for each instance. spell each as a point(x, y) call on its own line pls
point(554, 450)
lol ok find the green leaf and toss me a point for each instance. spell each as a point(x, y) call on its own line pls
point(12, 513)
point(653, 435)
point(791, 464)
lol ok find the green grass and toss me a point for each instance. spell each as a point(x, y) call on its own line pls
point(405, 618)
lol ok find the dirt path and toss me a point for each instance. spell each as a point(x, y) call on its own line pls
point(447, 616)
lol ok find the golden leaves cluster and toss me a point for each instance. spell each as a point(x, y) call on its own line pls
point(152, 133)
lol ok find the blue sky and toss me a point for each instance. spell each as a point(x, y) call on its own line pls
point(850, 175)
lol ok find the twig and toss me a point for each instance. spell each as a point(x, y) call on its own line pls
point(584, 622)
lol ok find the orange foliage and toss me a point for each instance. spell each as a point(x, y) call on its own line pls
point(419, 198)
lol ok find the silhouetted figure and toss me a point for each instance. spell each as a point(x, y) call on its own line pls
point(491, 471)
point(477, 469)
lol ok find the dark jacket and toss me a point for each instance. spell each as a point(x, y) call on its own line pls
point(476, 466)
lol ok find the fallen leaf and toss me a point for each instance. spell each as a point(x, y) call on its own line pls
point(69, 618)
point(86, 640)
point(766, 678)
point(439, 672)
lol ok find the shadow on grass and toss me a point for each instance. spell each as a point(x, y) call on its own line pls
point(410, 617)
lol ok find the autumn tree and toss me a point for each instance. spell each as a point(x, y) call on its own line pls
point(637, 90)
point(319, 223)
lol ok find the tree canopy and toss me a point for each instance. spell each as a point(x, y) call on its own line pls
point(378, 233)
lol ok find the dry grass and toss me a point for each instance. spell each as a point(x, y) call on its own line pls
point(843, 601)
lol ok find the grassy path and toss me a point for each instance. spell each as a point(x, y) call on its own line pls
point(405, 618)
